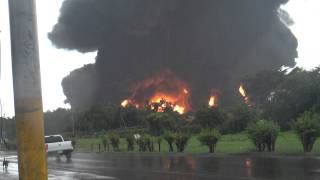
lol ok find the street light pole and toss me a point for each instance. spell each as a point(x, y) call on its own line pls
point(27, 91)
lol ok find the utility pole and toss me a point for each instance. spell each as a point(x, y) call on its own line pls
point(72, 115)
point(1, 130)
point(27, 91)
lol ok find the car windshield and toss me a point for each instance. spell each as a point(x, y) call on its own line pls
point(53, 139)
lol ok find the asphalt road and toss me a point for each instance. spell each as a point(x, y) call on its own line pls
point(175, 166)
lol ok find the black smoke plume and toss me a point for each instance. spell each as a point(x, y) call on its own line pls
point(210, 44)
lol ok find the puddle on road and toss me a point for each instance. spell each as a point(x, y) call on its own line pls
point(67, 175)
point(11, 173)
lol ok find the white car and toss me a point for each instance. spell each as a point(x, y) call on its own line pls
point(56, 144)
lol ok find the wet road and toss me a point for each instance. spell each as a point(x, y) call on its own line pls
point(170, 167)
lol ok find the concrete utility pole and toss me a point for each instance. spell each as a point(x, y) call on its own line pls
point(27, 91)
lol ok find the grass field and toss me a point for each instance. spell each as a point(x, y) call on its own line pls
point(287, 143)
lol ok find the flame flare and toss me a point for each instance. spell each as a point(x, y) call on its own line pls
point(243, 93)
point(125, 103)
point(212, 101)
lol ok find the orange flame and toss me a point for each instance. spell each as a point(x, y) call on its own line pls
point(212, 101)
point(161, 91)
point(161, 101)
point(178, 109)
point(242, 91)
point(125, 103)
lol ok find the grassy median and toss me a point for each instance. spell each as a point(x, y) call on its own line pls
point(287, 143)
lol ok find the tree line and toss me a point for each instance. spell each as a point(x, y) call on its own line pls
point(280, 100)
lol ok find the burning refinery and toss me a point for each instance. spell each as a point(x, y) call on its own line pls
point(204, 44)
point(164, 92)
point(160, 92)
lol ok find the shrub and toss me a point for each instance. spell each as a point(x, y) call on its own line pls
point(145, 143)
point(307, 127)
point(115, 140)
point(148, 140)
point(130, 142)
point(73, 143)
point(209, 137)
point(104, 140)
point(181, 141)
point(141, 143)
point(170, 138)
point(263, 134)
point(159, 140)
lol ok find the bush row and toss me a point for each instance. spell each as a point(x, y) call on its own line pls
point(263, 134)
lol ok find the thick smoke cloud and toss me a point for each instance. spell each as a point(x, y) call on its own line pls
point(210, 44)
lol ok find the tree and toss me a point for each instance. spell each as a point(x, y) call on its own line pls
point(210, 117)
point(170, 138)
point(159, 140)
point(260, 85)
point(105, 143)
point(210, 138)
point(99, 118)
point(238, 118)
point(159, 122)
point(130, 142)
point(115, 140)
point(58, 121)
point(181, 141)
point(145, 143)
point(263, 134)
point(284, 96)
point(307, 127)
point(296, 94)
point(132, 116)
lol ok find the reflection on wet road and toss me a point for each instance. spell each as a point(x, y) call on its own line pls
point(188, 167)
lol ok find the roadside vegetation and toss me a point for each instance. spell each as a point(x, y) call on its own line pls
point(280, 114)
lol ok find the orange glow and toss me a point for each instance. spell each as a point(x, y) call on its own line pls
point(185, 91)
point(212, 101)
point(125, 103)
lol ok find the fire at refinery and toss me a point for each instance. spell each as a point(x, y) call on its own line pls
point(160, 92)
point(159, 103)
point(164, 91)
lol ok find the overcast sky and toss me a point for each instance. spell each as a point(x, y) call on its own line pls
point(57, 63)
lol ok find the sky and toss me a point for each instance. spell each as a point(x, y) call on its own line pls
point(57, 63)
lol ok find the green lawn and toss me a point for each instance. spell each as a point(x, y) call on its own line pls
point(287, 143)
